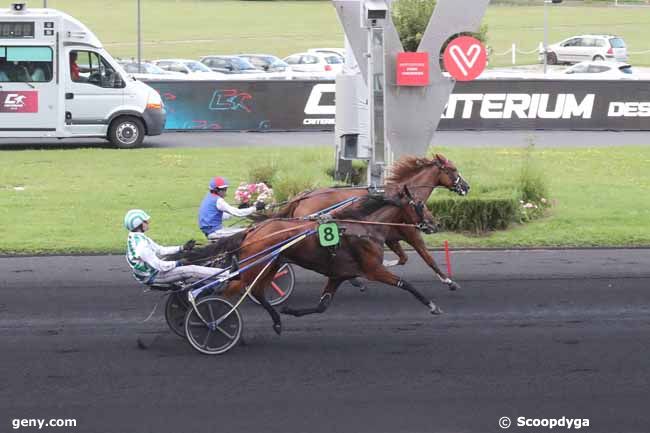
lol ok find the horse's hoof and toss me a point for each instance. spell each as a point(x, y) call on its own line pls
point(357, 282)
point(453, 285)
point(277, 327)
point(434, 309)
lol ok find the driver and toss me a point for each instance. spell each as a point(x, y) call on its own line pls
point(214, 210)
point(143, 255)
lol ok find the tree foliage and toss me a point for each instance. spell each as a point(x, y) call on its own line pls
point(411, 18)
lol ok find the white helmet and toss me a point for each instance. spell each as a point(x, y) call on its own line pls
point(134, 218)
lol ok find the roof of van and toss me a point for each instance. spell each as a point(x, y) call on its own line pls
point(72, 30)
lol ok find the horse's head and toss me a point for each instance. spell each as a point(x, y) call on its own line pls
point(449, 176)
point(417, 213)
point(424, 174)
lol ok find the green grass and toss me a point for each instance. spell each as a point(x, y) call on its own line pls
point(192, 28)
point(74, 200)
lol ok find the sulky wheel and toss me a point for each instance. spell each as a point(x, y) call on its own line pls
point(281, 287)
point(175, 311)
point(210, 333)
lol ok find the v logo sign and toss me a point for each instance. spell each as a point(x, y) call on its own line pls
point(465, 62)
point(465, 58)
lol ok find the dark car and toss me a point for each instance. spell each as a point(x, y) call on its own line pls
point(229, 65)
point(265, 62)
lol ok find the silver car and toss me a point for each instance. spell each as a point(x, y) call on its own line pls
point(586, 47)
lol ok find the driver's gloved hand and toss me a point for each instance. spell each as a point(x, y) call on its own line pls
point(260, 206)
point(188, 245)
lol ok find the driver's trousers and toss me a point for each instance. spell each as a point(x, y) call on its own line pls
point(184, 273)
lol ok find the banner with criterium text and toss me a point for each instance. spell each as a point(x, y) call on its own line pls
point(480, 105)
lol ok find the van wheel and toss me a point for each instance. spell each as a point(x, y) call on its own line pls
point(551, 58)
point(598, 58)
point(126, 132)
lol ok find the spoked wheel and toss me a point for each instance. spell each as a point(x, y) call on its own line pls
point(281, 287)
point(175, 311)
point(215, 335)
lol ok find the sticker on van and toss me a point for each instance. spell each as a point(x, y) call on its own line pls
point(19, 102)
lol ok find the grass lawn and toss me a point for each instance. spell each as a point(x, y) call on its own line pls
point(74, 200)
point(192, 28)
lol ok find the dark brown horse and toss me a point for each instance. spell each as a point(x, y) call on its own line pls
point(421, 175)
point(360, 252)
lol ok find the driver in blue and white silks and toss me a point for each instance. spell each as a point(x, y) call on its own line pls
point(143, 256)
point(214, 210)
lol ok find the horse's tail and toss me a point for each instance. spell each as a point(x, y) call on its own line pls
point(287, 210)
point(221, 246)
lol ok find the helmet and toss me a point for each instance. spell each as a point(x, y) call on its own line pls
point(134, 218)
point(218, 183)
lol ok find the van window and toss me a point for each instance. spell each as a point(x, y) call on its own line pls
point(91, 68)
point(25, 64)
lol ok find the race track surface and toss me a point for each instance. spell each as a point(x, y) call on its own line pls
point(470, 139)
point(536, 334)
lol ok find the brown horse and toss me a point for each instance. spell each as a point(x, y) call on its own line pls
point(421, 175)
point(360, 252)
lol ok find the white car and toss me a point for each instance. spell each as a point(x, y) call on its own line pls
point(192, 69)
point(149, 71)
point(336, 51)
point(586, 47)
point(600, 71)
point(324, 65)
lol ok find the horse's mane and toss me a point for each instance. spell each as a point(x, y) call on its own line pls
point(407, 166)
point(364, 207)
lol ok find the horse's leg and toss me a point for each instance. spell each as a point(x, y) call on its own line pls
point(413, 238)
point(326, 298)
point(376, 272)
point(258, 294)
point(397, 249)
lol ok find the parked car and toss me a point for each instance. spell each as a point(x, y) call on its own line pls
point(191, 68)
point(586, 47)
point(325, 64)
point(336, 51)
point(229, 65)
point(149, 71)
point(274, 67)
point(600, 70)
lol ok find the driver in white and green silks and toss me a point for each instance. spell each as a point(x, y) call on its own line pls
point(143, 255)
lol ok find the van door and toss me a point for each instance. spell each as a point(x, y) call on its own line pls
point(28, 92)
point(94, 90)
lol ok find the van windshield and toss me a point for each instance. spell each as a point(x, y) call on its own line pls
point(25, 64)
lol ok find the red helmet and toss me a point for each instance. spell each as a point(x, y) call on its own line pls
point(218, 183)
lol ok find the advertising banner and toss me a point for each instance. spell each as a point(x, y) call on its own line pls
point(480, 105)
point(247, 105)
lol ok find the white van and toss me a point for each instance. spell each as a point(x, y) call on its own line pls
point(56, 80)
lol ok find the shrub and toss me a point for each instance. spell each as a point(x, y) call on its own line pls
point(288, 184)
point(474, 215)
point(263, 171)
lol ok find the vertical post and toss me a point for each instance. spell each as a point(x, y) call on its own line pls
point(376, 84)
point(545, 32)
point(514, 53)
point(44, 3)
point(139, 36)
